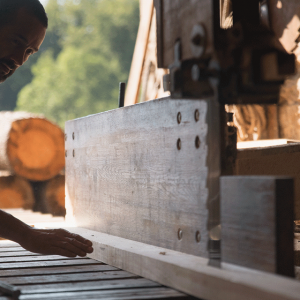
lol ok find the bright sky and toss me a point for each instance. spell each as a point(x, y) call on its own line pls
point(44, 2)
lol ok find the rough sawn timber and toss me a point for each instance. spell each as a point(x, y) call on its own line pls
point(127, 177)
point(257, 223)
point(281, 160)
point(188, 273)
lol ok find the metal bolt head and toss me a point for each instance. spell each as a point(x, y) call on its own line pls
point(66, 153)
point(197, 115)
point(73, 136)
point(179, 118)
point(198, 40)
point(179, 234)
point(198, 236)
point(73, 153)
point(197, 142)
point(179, 144)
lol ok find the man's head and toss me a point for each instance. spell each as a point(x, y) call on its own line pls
point(23, 25)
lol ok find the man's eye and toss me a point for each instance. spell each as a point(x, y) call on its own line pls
point(29, 51)
point(15, 42)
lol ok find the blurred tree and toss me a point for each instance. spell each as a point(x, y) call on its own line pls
point(94, 42)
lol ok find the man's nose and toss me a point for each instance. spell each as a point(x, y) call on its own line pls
point(18, 57)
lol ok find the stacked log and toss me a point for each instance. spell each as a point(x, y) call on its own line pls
point(31, 150)
point(15, 192)
point(50, 195)
point(30, 146)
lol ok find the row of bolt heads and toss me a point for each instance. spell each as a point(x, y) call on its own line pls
point(73, 137)
point(197, 140)
point(197, 235)
point(196, 116)
point(179, 118)
point(197, 144)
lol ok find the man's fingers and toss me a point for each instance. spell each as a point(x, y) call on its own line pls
point(62, 252)
point(80, 245)
point(65, 233)
point(69, 245)
point(79, 238)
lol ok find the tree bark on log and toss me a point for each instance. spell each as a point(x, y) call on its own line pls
point(30, 146)
point(15, 192)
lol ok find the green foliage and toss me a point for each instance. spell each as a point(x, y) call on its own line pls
point(94, 42)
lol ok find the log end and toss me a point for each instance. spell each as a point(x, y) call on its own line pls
point(35, 148)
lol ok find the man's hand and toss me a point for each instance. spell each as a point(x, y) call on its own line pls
point(56, 242)
point(43, 241)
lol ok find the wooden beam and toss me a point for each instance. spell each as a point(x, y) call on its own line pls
point(188, 273)
point(281, 160)
point(147, 172)
point(257, 223)
point(136, 69)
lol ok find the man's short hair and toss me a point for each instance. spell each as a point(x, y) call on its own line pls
point(9, 9)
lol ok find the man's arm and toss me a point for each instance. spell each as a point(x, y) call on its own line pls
point(43, 241)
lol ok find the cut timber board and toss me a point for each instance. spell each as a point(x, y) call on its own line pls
point(125, 175)
point(257, 223)
point(283, 160)
point(188, 273)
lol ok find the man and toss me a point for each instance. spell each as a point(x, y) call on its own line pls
point(23, 25)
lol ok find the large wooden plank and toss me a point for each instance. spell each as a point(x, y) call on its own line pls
point(281, 160)
point(159, 293)
point(188, 273)
point(12, 249)
point(17, 254)
point(57, 270)
point(32, 258)
point(88, 286)
point(47, 263)
point(77, 277)
point(257, 223)
point(6, 244)
point(138, 172)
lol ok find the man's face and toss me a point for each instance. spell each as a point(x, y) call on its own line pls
point(19, 39)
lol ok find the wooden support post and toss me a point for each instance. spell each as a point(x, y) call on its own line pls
point(136, 69)
point(257, 223)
